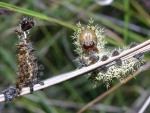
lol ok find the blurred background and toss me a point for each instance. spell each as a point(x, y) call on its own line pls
point(125, 21)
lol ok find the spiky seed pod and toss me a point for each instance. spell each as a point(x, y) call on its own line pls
point(27, 23)
point(29, 71)
point(115, 53)
point(93, 57)
point(104, 58)
point(140, 55)
point(118, 61)
point(133, 45)
point(90, 46)
point(83, 61)
point(9, 93)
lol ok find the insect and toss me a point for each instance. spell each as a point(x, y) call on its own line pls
point(88, 41)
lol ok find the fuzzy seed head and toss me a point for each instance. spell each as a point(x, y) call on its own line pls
point(29, 71)
point(90, 46)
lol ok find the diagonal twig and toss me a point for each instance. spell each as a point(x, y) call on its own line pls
point(66, 76)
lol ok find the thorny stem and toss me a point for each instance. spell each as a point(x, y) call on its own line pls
point(66, 76)
point(100, 97)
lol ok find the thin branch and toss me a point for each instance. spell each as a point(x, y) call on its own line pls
point(100, 97)
point(63, 77)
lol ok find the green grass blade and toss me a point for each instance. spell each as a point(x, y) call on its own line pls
point(35, 14)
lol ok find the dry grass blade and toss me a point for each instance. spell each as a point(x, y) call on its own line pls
point(69, 75)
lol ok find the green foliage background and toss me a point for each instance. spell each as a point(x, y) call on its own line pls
point(55, 21)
